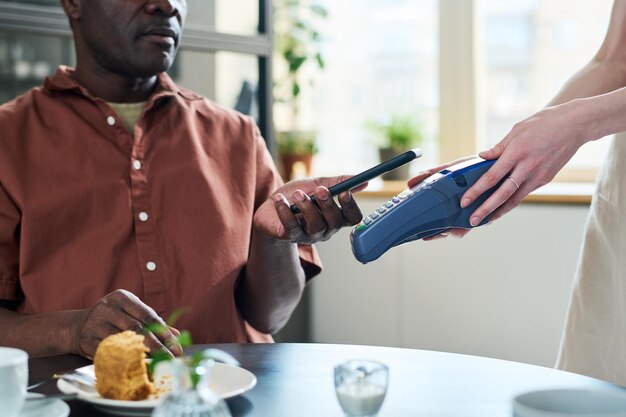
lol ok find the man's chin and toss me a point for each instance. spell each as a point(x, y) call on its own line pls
point(151, 68)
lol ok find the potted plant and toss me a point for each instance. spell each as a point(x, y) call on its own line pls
point(296, 147)
point(397, 135)
point(297, 45)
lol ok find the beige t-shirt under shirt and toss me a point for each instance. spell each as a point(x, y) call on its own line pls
point(129, 113)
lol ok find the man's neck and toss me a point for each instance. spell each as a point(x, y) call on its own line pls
point(113, 87)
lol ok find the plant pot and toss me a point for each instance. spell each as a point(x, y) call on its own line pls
point(400, 173)
point(289, 161)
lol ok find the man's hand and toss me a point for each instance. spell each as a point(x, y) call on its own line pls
point(315, 222)
point(121, 310)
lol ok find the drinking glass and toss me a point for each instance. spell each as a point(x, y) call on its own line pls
point(361, 386)
point(187, 400)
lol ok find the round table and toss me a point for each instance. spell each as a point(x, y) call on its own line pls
point(297, 380)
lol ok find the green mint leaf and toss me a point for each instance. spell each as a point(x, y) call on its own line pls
point(185, 338)
point(175, 315)
point(160, 355)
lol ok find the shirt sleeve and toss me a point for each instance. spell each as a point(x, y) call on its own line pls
point(9, 249)
point(268, 180)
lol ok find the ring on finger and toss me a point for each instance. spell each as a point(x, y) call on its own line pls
point(514, 182)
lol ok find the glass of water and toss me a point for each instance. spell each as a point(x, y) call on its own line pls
point(361, 386)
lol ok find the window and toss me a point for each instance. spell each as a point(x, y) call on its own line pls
point(529, 49)
point(26, 59)
point(233, 81)
point(467, 70)
point(382, 60)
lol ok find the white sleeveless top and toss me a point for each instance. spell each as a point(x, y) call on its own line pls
point(594, 339)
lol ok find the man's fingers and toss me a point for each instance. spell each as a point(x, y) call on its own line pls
point(313, 222)
point(333, 216)
point(359, 188)
point(157, 337)
point(286, 216)
point(169, 340)
point(155, 344)
point(330, 181)
point(144, 320)
point(119, 311)
point(349, 208)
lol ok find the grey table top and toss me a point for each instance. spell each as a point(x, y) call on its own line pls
point(297, 380)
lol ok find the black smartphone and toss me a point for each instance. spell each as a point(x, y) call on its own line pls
point(369, 174)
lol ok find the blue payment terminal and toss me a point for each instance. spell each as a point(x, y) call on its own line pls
point(429, 208)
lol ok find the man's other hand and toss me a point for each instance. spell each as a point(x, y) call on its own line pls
point(118, 311)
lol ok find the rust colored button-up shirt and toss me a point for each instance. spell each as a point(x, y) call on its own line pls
point(85, 209)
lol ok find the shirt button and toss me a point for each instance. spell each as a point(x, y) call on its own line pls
point(137, 165)
point(111, 120)
point(151, 266)
point(143, 216)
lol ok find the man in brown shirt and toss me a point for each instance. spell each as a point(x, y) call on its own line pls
point(103, 229)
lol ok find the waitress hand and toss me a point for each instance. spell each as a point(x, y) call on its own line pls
point(316, 221)
point(529, 156)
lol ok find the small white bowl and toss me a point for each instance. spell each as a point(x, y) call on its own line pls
point(569, 403)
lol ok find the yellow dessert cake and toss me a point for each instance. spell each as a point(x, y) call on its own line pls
point(120, 367)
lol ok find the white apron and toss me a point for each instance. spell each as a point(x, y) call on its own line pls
point(594, 339)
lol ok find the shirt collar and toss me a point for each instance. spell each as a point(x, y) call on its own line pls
point(62, 80)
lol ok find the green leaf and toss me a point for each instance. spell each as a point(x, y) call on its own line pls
point(320, 60)
point(156, 328)
point(297, 39)
point(398, 133)
point(185, 338)
point(175, 315)
point(196, 358)
point(160, 355)
point(319, 10)
point(195, 378)
point(295, 62)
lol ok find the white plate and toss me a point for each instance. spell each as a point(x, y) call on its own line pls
point(48, 408)
point(226, 381)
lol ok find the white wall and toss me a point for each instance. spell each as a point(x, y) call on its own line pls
point(502, 291)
